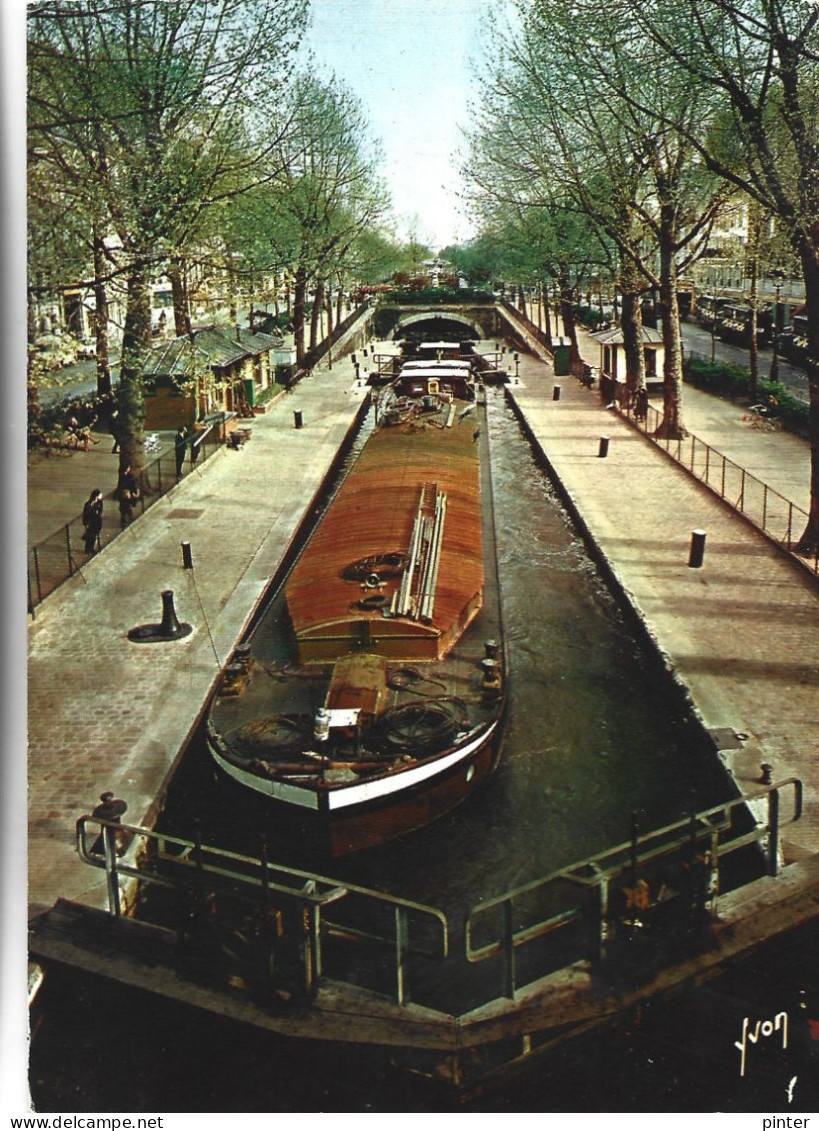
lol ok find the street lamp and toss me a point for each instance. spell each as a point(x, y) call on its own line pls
point(777, 276)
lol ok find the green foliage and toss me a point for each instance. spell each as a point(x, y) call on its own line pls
point(590, 316)
point(439, 296)
point(734, 383)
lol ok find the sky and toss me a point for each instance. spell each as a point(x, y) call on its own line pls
point(415, 66)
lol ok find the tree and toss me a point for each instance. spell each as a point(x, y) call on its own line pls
point(141, 103)
point(755, 64)
point(324, 189)
point(565, 98)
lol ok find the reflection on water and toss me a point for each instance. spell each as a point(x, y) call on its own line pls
point(592, 734)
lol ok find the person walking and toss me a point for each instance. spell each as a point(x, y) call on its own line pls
point(641, 404)
point(92, 520)
point(126, 507)
point(114, 429)
point(180, 446)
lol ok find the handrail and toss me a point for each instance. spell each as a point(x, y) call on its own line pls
point(684, 854)
point(765, 508)
point(51, 560)
point(155, 858)
point(595, 876)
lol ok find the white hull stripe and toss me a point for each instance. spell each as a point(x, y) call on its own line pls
point(406, 779)
point(281, 791)
point(355, 794)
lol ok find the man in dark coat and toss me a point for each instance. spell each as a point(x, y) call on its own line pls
point(180, 445)
point(92, 520)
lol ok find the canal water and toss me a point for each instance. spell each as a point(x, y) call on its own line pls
point(595, 739)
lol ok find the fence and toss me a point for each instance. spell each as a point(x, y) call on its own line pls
point(283, 928)
point(55, 559)
point(777, 517)
point(654, 885)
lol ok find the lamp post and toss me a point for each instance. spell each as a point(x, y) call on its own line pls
point(774, 374)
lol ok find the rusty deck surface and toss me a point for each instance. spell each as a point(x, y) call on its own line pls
point(373, 515)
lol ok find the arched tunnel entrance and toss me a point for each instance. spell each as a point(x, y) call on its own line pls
point(427, 325)
point(430, 327)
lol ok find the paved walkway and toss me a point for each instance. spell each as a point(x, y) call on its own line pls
point(108, 714)
point(105, 713)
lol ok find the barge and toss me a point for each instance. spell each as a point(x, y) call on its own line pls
point(369, 697)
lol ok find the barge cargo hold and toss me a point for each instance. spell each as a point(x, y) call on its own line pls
point(369, 697)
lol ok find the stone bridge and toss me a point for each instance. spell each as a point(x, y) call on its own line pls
point(456, 322)
point(452, 322)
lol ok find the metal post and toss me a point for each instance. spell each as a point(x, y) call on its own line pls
point(556, 393)
point(774, 374)
point(314, 920)
point(68, 552)
point(297, 418)
point(401, 956)
point(696, 551)
point(508, 951)
point(109, 842)
point(713, 873)
point(603, 448)
point(773, 832)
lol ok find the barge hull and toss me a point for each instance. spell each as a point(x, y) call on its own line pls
point(339, 830)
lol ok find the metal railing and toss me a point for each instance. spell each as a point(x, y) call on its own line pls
point(284, 928)
point(776, 516)
point(57, 558)
point(581, 912)
point(281, 911)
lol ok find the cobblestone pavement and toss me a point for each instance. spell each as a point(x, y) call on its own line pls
point(105, 713)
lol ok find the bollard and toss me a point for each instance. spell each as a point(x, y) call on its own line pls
point(767, 772)
point(170, 625)
point(697, 550)
point(603, 449)
point(187, 556)
point(297, 418)
point(169, 629)
point(556, 393)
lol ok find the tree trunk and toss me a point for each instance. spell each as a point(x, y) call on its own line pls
point(631, 323)
point(547, 316)
point(315, 316)
point(567, 315)
point(754, 236)
point(671, 427)
point(179, 293)
point(101, 319)
point(809, 541)
point(299, 298)
point(136, 340)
